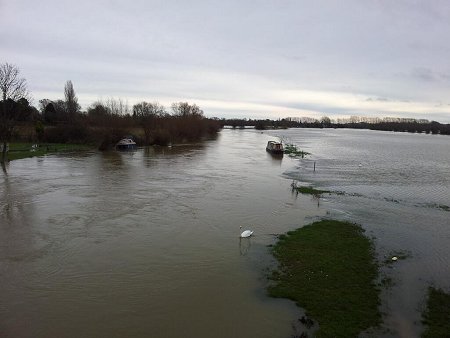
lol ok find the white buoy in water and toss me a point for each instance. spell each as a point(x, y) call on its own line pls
point(394, 258)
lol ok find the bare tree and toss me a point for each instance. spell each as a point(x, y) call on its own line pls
point(184, 109)
point(12, 86)
point(145, 109)
point(117, 106)
point(15, 98)
point(146, 113)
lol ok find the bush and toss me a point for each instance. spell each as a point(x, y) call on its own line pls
point(161, 137)
point(67, 134)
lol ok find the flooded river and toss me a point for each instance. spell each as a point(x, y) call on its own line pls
point(145, 244)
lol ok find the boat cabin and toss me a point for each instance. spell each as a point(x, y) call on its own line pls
point(275, 147)
point(126, 144)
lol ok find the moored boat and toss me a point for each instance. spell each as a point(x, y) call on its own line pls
point(126, 144)
point(275, 147)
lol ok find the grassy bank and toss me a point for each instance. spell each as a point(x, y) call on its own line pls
point(329, 269)
point(436, 317)
point(24, 150)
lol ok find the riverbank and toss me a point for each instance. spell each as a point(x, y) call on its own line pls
point(329, 269)
point(24, 150)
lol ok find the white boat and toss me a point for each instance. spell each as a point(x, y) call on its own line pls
point(126, 144)
point(275, 147)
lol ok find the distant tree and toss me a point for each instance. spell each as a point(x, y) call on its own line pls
point(354, 119)
point(146, 114)
point(261, 125)
point(99, 115)
point(434, 127)
point(72, 106)
point(43, 105)
point(14, 102)
point(117, 106)
point(325, 121)
point(184, 109)
point(49, 113)
point(145, 109)
point(98, 109)
point(187, 123)
point(55, 112)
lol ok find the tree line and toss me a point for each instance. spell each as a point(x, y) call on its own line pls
point(354, 122)
point(103, 122)
point(150, 123)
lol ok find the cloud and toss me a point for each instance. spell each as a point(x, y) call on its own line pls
point(423, 74)
point(234, 56)
point(379, 99)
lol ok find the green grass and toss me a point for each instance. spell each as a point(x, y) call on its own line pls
point(329, 269)
point(311, 191)
point(436, 317)
point(292, 151)
point(25, 150)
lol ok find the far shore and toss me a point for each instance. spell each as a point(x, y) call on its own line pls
point(25, 150)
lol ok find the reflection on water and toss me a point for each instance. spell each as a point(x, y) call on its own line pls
point(397, 186)
point(145, 243)
point(244, 245)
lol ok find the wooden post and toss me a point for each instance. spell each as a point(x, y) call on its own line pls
point(314, 165)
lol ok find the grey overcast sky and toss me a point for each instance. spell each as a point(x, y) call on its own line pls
point(255, 59)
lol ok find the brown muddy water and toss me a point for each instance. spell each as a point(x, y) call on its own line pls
point(145, 244)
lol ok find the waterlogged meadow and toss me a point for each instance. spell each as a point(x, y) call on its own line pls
point(396, 186)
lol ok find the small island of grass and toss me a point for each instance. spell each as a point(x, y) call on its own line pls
point(329, 269)
point(293, 151)
point(311, 191)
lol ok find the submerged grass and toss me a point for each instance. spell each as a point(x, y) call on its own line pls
point(436, 317)
point(24, 150)
point(311, 191)
point(444, 207)
point(329, 269)
point(293, 151)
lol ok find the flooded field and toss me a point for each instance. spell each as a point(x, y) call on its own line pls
point(397, 186)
